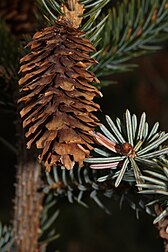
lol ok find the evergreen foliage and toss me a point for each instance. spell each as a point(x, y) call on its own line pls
point(129, 161)
point(128, 145)
point(132, 29)
point(120, 31)
point(48, 230)
point(80, 184)
point(6, 238)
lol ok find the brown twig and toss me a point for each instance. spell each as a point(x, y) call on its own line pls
point(28, 197)
point(28, 206)
point(72, 11)
point(162, 226)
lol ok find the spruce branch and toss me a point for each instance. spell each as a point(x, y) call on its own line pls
point(75, 184)
point(120, 31)
point(128, 148)
point(156, 181)
point(156, 185)
point(6, 238)
point(91, 21)
point(79, 184)
point(93, 9)
point(27, 206)
point(48, 220)
point(57, 93)
point(133, 28)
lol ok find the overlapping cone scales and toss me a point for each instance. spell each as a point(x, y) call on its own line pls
point(57, 96)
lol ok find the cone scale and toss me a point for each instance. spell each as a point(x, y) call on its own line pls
point(56, 95)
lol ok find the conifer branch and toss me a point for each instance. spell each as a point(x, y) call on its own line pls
point(57, 97)
point(75, 184)
point(121, 32)
point(6, 238)
point(48, 232)
point(80, 183)
point(133, 28)
point(156, 185)
point(27, 206)
point(92, 22)
point(128, 148)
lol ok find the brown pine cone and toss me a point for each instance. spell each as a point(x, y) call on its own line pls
point(57, 95)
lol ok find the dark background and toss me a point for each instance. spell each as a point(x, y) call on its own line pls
point(92, 230)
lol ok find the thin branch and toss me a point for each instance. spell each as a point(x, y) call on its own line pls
point(28, 207)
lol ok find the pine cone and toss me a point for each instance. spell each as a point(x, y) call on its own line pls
point(58, 99)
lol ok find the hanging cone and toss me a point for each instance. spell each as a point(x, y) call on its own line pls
point(57, 95)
